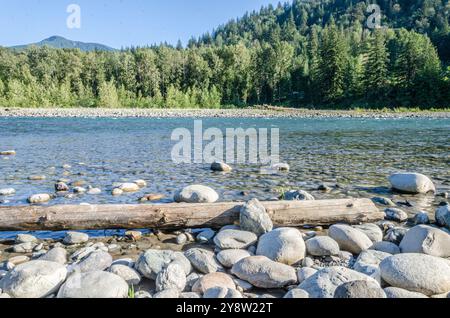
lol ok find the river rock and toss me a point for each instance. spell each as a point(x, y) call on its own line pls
point(24, 247)
point(181, 239)
point(372, 231)
point(95, 261)
point(152, 262)
point(131, 276)
point(296, 293)
point(383, 201)
point(394, 292)
point(413, 183)
point(8, 191)
point(281, 167)
point(222, 293)
point(95, 284)
point(190, 295)
point(386, 247)
point(304, 273)
point(94, 191)
point(213, 280)
point(368, 263)
point(421, 218)
point(117, 192)
point(171, 277)
point(17, 260)
point(254, 218)
point(39, 198)
point(298, 195)
point(129, 187)
point(283, 245)
point(34, 279)
point(205, 236)
point(140, 183)
point(323, 284)
point(196, 194)
point(395, 235)
point(322, 246)
point(230, 257)
point(203, 260)
point(234, 239)
point(167, 294)
point(443, 216)
point(359, 289)
point(25, 238)
point(427, 240)
point(57, 255)
point(220, 167)
point(75, 238)
point(397, 215)
point(350, 239)
point(8, 153)
point(61, 187)
point(262, 272)
point(420, 273)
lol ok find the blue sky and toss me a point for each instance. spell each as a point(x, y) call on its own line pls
point(118, 23)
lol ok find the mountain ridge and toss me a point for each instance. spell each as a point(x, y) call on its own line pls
point(60, 42)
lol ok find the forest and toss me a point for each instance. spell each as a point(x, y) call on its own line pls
point(316, 54)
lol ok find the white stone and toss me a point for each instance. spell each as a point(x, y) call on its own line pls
point(283, 245)
point(171, 277)
point(196, 194)
point(304, 273)
point(443, 216)
point(203, 260)
point(254, 218)
point(386, 247)
point(298, 195)
point(368, 263)
point(129, 187)
point(322, 246)
point(350, 239)
point(75, 238)
point(7, 191)
point(394, 292)
point(394, 214)
point(372, 231)
point(296, 293)
point(39, 198)
point(222, 293)
point(213, 280)
point(234, 239)
point(427, 240)
point(95, 261)
point(414, 183)
point(230, 257)
point(57, 255)
point(152, 262)
point(131, 276)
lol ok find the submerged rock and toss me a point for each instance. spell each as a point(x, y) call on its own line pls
point(129, 187)
point(298, 195)
point(413, 183)
point(39, 198)
point(221, 167)
point(7, 191)
point(196, 194)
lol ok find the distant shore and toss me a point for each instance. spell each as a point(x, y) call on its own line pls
point(251, 112)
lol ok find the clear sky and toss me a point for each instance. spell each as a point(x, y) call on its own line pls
point(118, 23)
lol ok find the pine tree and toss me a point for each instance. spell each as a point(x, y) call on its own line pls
point(376, 66)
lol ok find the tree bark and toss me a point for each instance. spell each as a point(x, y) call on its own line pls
point(176, 216)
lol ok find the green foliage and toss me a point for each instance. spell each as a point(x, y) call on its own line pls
point(316, 53)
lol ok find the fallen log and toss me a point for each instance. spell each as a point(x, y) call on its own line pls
point(176, 216)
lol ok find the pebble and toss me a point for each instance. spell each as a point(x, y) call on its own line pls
point(171, 277)
point(8, 153)
point(34, 279)
point(206, 236)
point(131, 276)
point(394, 292)
point(230, 257)
point(350, 239)
point(196, 194)
point(79, 190)
point(7, 191)
point(61, 187)
point(222, 293)
point(283, 245)
point(37, 178)
point(427, 240)
point(152, 262)
point(39, 198)
point(129, 187)
point(281, 167)
point(152, 197)
point(304, 273)
point(359, 289)
point(213, 280)
point(203, 260)
point(75, 238)
point(117, 192)
point(235, 239)
point(181, 239)
point(220, 167)
point(421, 218)
point(262, 272)
point(443, 216)
point(298, 195)
point(141, 183)
point(397, 215)
point(25, 238)
point(254, 218)
point(386, 247)
point(94, 191)
point(322, 246)
point(323, 284)
point(373, 231)
point(413, 183)
point(97, 284)
point(420, 273)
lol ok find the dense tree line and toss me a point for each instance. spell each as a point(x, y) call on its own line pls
point(315, 53)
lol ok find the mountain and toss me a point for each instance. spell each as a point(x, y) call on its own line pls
point(63, 43)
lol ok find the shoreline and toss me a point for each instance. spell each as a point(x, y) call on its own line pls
point(211, 113)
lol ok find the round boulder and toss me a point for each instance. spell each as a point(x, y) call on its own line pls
point(413, 183)
point(359, 289)
point(283, 245)
point(349, 238)
point(322, 246)
point(196, 194)
point(427, 240)
point(234, 239)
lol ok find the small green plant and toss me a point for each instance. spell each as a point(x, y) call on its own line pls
point(131, 293)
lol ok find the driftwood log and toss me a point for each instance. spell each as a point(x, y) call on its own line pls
point(176, 216)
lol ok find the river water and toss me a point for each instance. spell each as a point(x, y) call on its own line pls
point(354, 156)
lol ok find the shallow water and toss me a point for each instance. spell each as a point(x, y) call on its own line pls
point(356, 154)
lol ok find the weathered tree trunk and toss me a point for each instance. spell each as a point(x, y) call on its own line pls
point(176, 216)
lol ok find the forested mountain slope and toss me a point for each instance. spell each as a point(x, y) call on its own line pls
point(317, 53)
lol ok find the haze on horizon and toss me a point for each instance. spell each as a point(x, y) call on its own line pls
point(118, 23)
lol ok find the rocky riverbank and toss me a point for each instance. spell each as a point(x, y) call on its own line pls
point(253, 112)
point(399, 257)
